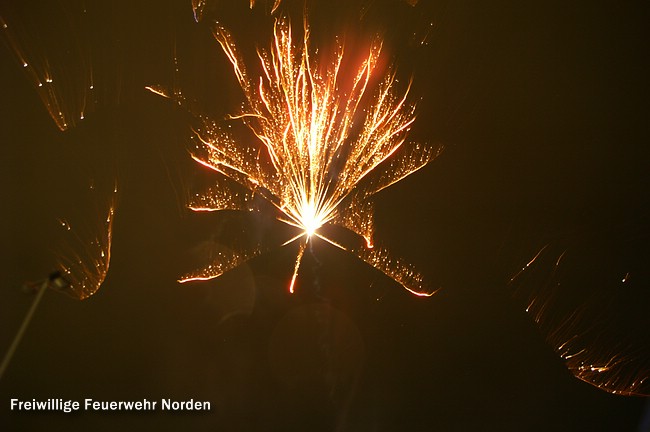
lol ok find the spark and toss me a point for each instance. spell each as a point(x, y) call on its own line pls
point(197, 7)
point(592, 347)
point(61, 75)
point(88, 259)
point(200, 7)
point(325, 146)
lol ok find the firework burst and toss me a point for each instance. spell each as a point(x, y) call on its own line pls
point(325, 145)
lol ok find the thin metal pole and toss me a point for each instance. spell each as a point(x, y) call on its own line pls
point(23, 327)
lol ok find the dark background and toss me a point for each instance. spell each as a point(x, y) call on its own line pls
point(542, 109)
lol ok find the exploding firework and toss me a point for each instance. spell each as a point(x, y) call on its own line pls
point(326, 145)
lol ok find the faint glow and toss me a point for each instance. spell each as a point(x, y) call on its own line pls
point(199, 7)
point(58, 66)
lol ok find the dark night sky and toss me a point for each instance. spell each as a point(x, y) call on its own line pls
point(542, 108)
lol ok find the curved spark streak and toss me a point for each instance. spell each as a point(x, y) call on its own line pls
point(589, 339)
point(325, 138)
point(87, 261)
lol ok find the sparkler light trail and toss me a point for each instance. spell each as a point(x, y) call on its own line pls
point(591, 343)
point(63, 77)
point(86, 262)
point(325, 144)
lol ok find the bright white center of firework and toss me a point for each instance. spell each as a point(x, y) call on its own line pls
point(310, 220)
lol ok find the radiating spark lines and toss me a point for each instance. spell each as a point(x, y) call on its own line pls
point(327, 142)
